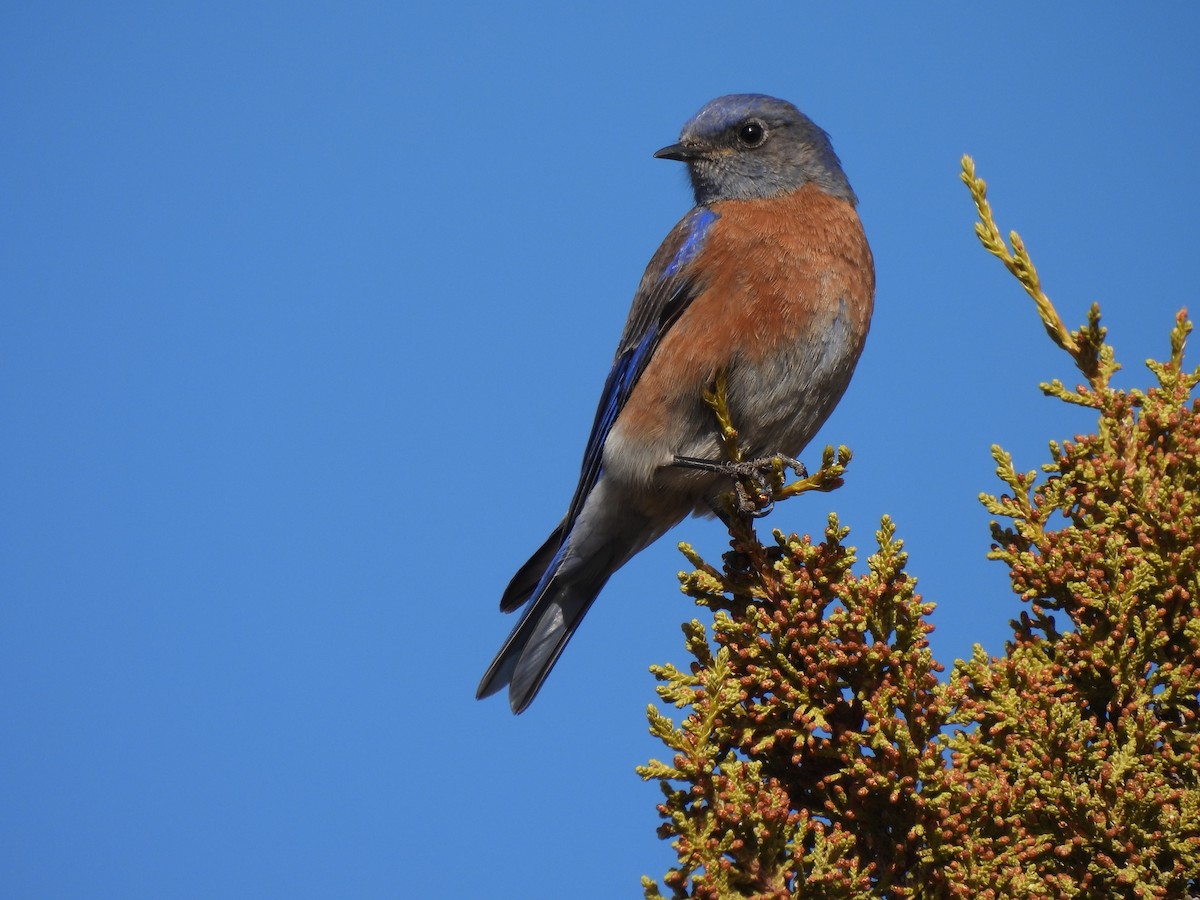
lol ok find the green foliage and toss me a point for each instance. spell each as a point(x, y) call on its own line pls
point(818, 755)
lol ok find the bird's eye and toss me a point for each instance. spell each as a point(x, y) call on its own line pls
point(752, 134)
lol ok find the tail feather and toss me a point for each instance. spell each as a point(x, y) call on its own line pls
point(537, 642)
point(560, 582)
point(530, 575)
point(568, 586)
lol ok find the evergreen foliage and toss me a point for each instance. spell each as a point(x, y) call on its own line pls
point(817, 754)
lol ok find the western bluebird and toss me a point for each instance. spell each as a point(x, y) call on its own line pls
point(769, 279)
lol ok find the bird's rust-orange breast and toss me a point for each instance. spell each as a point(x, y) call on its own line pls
point(771, 273)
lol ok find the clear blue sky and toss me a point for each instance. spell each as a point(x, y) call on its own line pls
point(306, 308)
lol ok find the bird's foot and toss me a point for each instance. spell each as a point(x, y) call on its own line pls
point(763, 475)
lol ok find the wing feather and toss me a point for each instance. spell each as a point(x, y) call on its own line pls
point(669, 285)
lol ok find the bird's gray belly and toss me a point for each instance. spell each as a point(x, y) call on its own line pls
point(777, 404)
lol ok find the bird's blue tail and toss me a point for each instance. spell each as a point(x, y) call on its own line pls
point(567, 586)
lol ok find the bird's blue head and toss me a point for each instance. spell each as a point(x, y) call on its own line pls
point(751, 146)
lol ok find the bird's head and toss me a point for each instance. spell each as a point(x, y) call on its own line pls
point(751, 146)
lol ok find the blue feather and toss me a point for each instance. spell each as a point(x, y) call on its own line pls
point(702, 218)
point(660, 304)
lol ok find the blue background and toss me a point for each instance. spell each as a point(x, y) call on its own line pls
point(306, 309)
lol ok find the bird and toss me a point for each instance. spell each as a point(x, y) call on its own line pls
point(769, 283)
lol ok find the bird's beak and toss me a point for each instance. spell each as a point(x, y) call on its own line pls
point(681, 152)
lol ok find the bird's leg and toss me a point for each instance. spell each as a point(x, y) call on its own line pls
point(764, 474)
point(757, 482)
point(755, 468)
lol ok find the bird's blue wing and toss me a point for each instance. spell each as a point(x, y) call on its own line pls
point(669, 285)
point(671, 282)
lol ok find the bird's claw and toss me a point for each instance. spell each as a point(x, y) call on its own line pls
point(757, 471)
